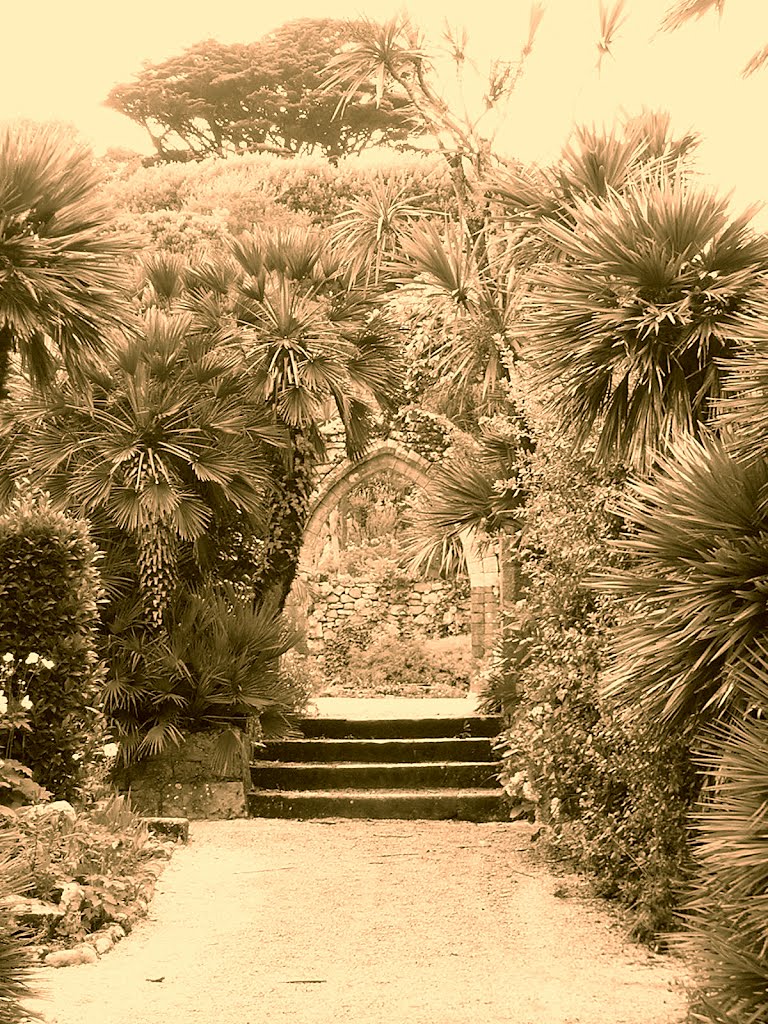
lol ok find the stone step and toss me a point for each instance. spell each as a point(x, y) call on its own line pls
point(377, 750)
point(401, 728)
point(471, 804)
point(294, 775)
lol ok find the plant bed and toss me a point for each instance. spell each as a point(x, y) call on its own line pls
point(83, 877)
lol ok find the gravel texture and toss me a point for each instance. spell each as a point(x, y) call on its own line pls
point(377, 922)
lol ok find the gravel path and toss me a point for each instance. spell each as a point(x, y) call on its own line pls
point(372, 922)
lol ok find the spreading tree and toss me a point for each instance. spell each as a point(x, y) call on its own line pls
point(265, 95)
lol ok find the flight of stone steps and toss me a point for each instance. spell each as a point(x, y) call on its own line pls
point(383, 768)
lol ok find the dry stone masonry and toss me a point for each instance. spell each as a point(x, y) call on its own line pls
point(431, 608)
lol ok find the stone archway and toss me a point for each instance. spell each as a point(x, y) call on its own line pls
point(408, 466)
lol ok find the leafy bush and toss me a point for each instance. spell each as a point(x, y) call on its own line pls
point(612, 798)
point(49, 589)
point(410, 667)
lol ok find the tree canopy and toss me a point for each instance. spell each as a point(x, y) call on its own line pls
point(265, 95)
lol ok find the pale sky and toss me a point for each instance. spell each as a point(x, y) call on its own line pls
point(61, 59)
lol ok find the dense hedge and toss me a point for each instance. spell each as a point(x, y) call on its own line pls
point(611, 797)
point(49, 588)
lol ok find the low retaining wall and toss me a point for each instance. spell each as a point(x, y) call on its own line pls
point(186, 782)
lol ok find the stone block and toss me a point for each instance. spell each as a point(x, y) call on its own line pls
point(83, 954)
point(215, 800)
point(175, 828)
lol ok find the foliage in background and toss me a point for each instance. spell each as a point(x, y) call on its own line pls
point(261, 190)
point(409, 667)
point(218, 98)
point(49, 588)
point(396, 60)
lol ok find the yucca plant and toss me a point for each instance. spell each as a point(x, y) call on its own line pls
point(63, 266)
point(216, 666)
point(727, 915)
point(630, 325)
point(696, 537)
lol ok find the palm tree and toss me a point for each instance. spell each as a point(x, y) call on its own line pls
point(62, 264)
point(394, 59)
point(164, 443)
point(316, 346)
point(694, 588)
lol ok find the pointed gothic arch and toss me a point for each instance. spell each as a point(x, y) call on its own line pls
point(409, 467)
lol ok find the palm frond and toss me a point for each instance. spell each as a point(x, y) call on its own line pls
point(696, 587)
point(630, 325)
point(683, 11)
point(65, 274)
point(376, 54)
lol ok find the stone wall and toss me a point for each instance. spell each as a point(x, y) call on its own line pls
point(188, 781)
point(431, 608)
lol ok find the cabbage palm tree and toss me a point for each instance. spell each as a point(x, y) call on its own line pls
point(394, 59)
point(62, 264)
point(631, 323)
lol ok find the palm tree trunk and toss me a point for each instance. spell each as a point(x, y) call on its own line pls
point(287, 513)
point(6, 348)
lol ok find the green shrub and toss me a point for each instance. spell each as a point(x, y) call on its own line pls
point(410, 667)
point(612, 797)
point(49, 588)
